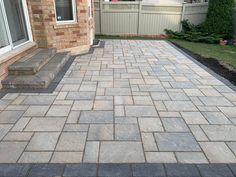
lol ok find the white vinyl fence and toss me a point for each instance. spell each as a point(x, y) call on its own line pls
point(235, 22)
point(139, 18)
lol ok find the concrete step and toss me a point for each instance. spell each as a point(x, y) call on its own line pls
point(31, 63)
point(42, 78)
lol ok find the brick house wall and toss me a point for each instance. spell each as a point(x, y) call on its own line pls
point(47, 33)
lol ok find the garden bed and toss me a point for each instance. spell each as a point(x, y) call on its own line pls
point(228, 71)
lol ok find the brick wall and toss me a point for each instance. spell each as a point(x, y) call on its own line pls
point(47, 33)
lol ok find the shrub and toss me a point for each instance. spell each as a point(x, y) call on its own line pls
point(220, 18)
point(194, 33)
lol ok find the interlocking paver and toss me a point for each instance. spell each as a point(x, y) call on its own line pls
point(174, 125)
point(218, 152)
point(96, 117)
point(194, 118)
point(43, 142)
point(10, 117)
point(100, 132)
point(140, 170)
point(91, 152)
point(216, 170)
point(121, 152)
point(58, 110)
point(71, 141)
point(19, 170)
point(45, 124)
point(11, 151)
point(127, 132)
point(176, 142)
point(139, 111)
point(4, 129)
point(67, 157)
point(220, 132)
point(129, 102)
point(216, 118)
point(46, 170)
point(150, 125)
point(180, 170)
point(36, 111)
point(160, 157)
point(35, 157)
point(191, 157)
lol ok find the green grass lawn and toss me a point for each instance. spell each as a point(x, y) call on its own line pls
point(225, 54)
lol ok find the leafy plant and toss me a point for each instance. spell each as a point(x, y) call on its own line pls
point(220, 17)
point(194, 33)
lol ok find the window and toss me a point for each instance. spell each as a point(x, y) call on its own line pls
point(65, 11)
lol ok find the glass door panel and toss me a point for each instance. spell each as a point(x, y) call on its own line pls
point(16, 21)
point(4, 40)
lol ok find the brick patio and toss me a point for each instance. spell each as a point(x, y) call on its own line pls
point(129, 102)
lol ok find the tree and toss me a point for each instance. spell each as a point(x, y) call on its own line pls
point(220, 17)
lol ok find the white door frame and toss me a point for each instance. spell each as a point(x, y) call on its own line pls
point(28, 27)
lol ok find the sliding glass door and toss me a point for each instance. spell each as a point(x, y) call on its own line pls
point(13, 24)
point(16, 21)
point(4, 40)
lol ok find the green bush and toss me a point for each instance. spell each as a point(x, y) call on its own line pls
point(194, 33)
point(220, 18)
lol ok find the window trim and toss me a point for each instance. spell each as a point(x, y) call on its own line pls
point(67, 21)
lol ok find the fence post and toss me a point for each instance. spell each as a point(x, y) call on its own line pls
point(100, 14)
point(182, 16)
point(139, 15)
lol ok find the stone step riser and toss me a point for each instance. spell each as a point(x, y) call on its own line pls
point(26, 68)
point(41, 79)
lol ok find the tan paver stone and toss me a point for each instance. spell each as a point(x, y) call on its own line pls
point(35, 157)
point(18, 136)
point(150, 125)
point(218, 152)
point(123, 100)
point(160, 157)
point(45, 124)
point(180, 106)
point(149, 143)
point(71, 141)
point(129, 132)
point(229, 111)
point(58, 110)
point(10, 117)
point(11, 151)
point(191, 157)
point(198, 133)
point(194, 118)
point(121, 152)
point(220, 132)
point(91, 152)
point(100, 132)
point(67, 157)
point(83, 105)
point(103, 105)
point(4, 129)
point(36, 111)
point(139, 111)
point(21, 124)
point(43, 141)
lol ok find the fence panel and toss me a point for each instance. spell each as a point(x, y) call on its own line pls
point(195, 13)
point(119, 18)
point(154, 19)
point(139, 18)
point(97, 17)
point(235, 22)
